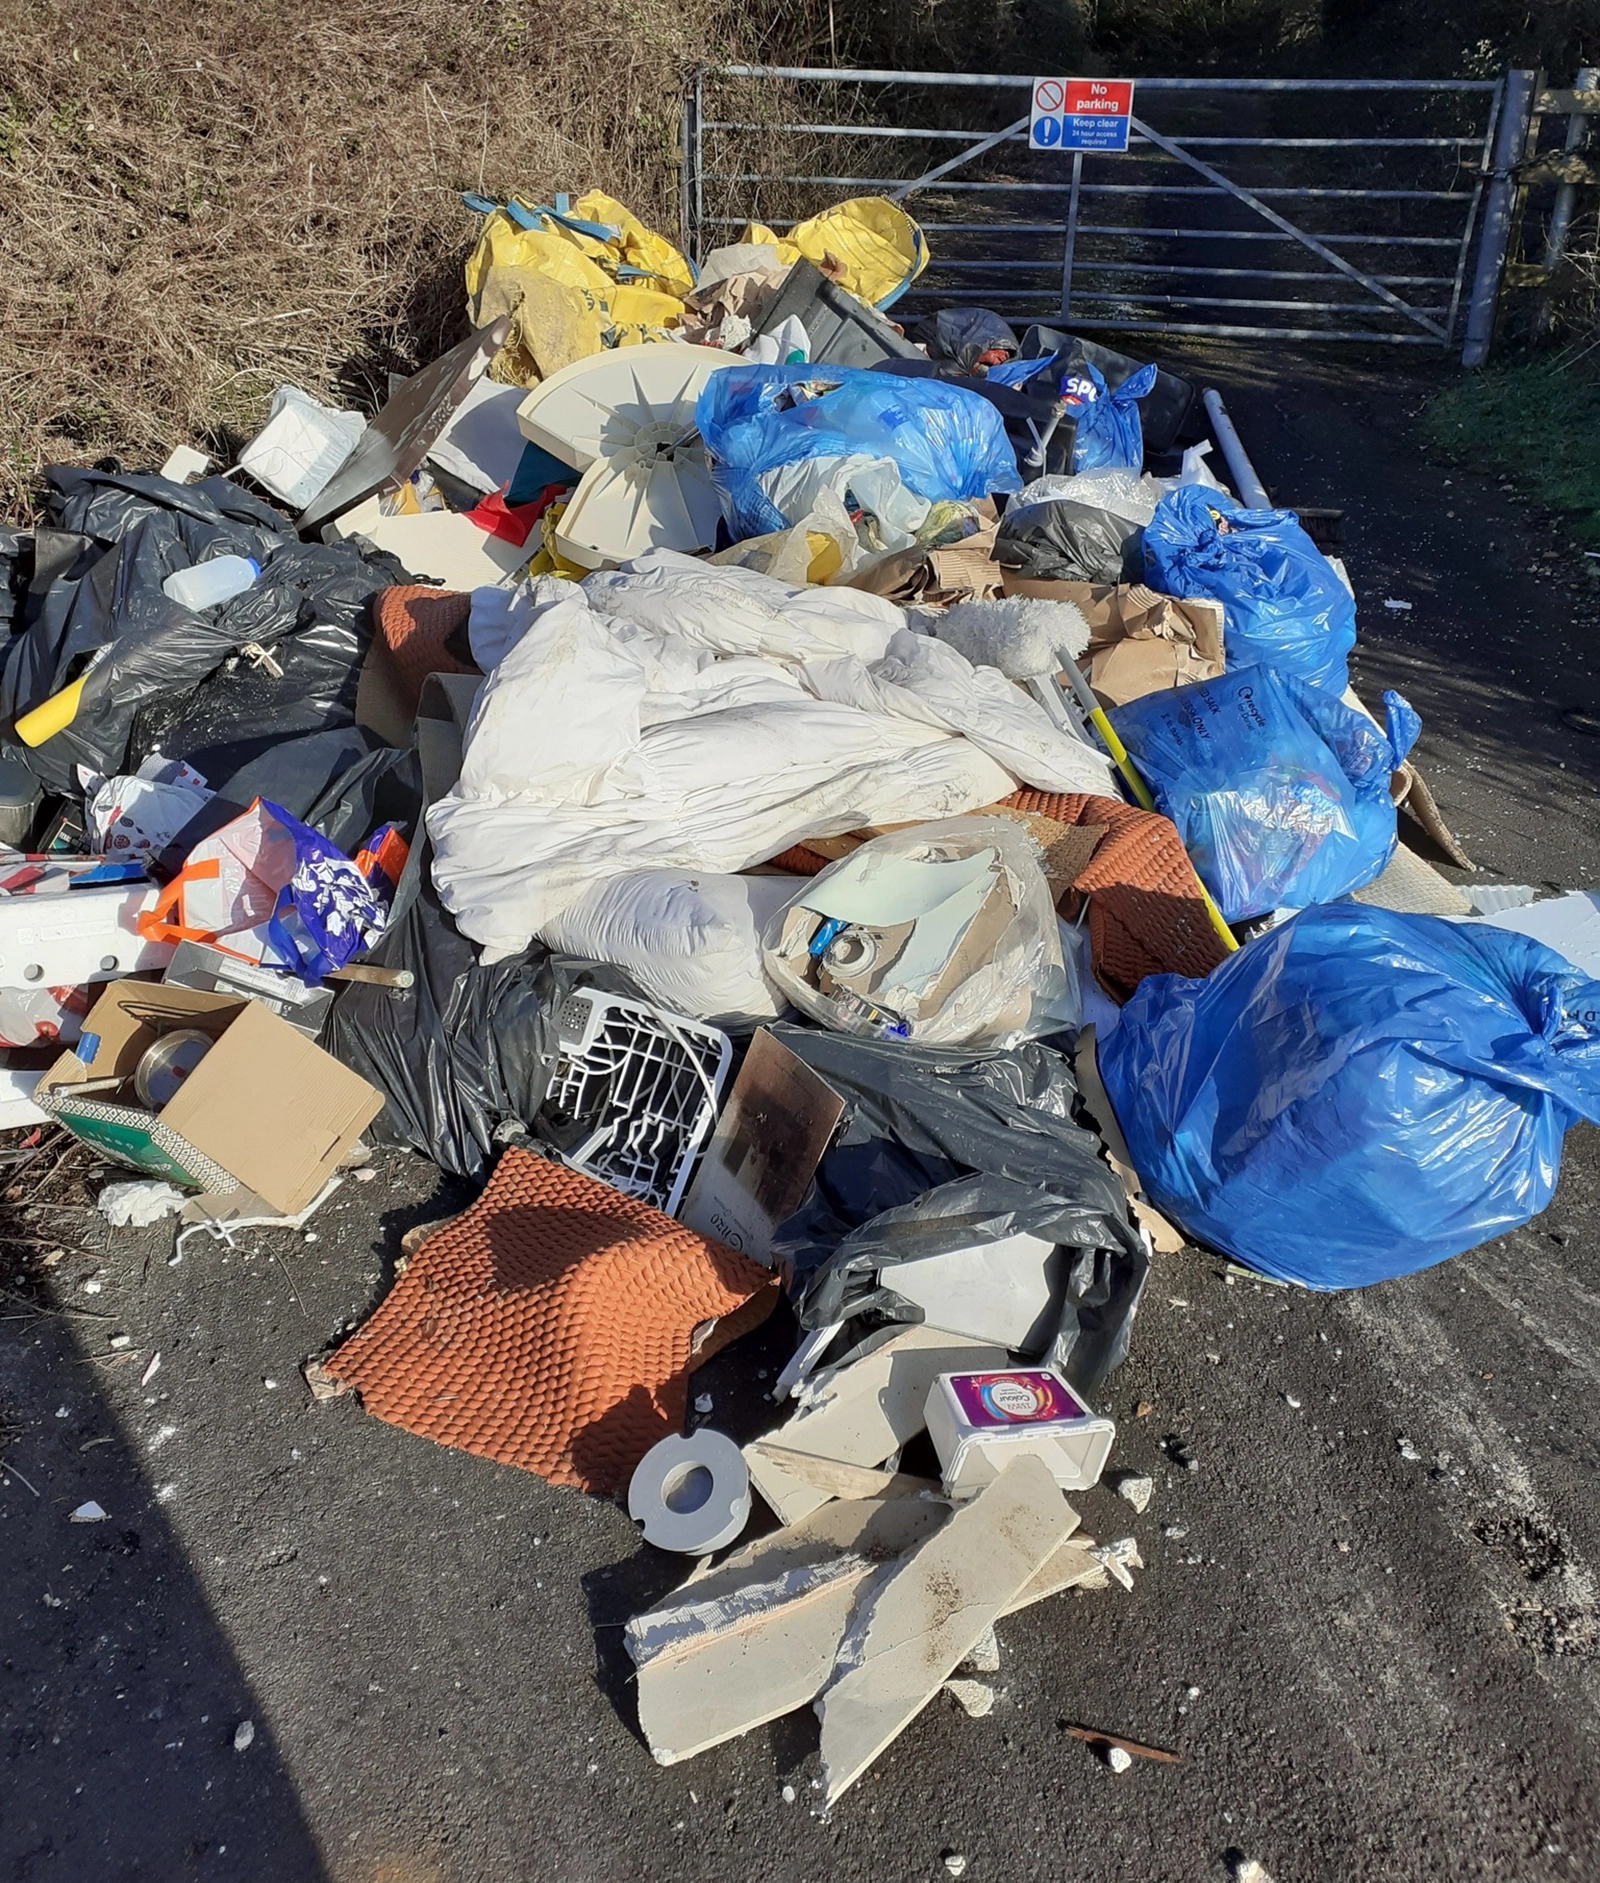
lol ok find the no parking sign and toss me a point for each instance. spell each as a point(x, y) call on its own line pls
point(1081, 113)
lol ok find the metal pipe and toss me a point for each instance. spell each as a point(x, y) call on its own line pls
point(1155, 298)
point(1040, 263)
point(1044, 300)
point(1252, 492)
point(1150, 234)
point(1470, 224)
point(953, 163)
point(1008, 81)
point(900, 186)
point(699, 159)
point(1511, 134)
point(686, 174)
point(1555, 242)
point(1233, 143)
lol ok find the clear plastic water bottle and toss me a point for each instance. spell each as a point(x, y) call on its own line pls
point(210, 584)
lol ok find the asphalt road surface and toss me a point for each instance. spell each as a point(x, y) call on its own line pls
point(1375, 1666)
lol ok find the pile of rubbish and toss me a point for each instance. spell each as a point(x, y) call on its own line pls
point(799, 810)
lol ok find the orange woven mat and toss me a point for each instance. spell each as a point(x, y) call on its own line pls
point(1145, 911)
point(414, 624)
point(552, 1326)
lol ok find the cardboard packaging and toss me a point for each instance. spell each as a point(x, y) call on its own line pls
point(980, 1422)
point(1139, 641)
point(265, 1108)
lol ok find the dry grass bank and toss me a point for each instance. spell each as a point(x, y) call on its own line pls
point(223, 196)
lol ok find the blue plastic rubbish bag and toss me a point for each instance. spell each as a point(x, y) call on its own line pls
point(1280, 792)
point(1356, 1094)
point(946, 441)
point(1283, 604)
point(1109, 431)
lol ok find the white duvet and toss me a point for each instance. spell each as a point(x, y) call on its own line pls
point(679, 716)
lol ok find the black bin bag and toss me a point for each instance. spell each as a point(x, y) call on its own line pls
point(1062, 540)
point(457, 1053)
point(940, 1150)
point(96, 598)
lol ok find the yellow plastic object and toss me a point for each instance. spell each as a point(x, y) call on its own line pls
point(560, 285)
point(550, 560)
point(57, 713)
point(827, 559)
point(868, 245)
point(634, 247)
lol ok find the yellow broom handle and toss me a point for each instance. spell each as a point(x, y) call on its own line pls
point(1140, 790)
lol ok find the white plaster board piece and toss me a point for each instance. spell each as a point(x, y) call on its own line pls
point(756, 1638)
point(861, 1413)
point(920, 1618)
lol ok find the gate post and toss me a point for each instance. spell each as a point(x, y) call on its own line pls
point(689, 203)
point(1566, 202)
point(1510, 141)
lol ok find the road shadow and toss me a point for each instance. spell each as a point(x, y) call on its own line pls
point(123, 1694)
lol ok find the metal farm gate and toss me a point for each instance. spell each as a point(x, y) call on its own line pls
point(1288, 209)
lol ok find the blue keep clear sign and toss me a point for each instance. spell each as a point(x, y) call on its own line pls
point(1081, 113)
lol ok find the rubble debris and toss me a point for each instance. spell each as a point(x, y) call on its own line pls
point(834, 1478)
point(322, 1383)
point(985, 1655)
point(90, 1512)
point(1133, 1487)
point(918, 1623)
point(757, 1637)
point(974, 1698)
point(1119, 1559)
point(859, 1414)
point(244, 1735)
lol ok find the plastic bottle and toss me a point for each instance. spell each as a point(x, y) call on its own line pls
point(209, 584)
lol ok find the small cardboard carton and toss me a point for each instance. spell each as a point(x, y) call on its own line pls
point(265, 1107)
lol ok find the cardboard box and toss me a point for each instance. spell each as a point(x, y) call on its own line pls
point(1139, 641)
point(264, 1108)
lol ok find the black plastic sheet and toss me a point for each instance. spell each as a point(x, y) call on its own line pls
point(940, 1150)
